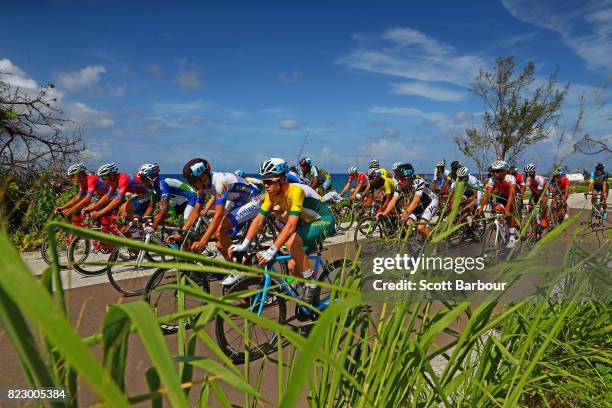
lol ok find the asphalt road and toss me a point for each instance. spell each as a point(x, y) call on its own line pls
point(88, 299)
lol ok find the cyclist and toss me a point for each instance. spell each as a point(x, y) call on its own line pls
point(374, 164)
point(537, 185)
point(452, 176)
point(167, 192)
point(472, 191)
point(598, 183)
point(119, 185)
point(362, 182)
point(235, 202)
point(293, 176)
point(89, 184)
point(308, 223)
point(422, 205)
point(559, 189)
point(320, 180)
point(504, 185)
point(380, 183)
point(440, 175)
point(257, 183)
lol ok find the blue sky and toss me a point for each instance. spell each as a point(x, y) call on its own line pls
point(237, 82)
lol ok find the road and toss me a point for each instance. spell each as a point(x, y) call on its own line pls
point(88, 299)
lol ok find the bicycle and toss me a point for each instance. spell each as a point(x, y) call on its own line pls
point(268, 295)
point(60, 236)
point(496, 237)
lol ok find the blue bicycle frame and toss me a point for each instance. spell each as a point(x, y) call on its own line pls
point(260, 298)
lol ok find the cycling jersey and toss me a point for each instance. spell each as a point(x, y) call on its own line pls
point(128, 183)
point(598, 180)
point(300, 200)
point(472, 186)
point(257, 183)
point(293, 177)
point(90, 185)
point(361, 178)
point(230, 187)
point(502, 187)
point(536, 183)
point(387, 185)
point(316, 171)
point(165, 189)
point(520, 179)
point(428, 203)
point(440, 177)
point(561, 185)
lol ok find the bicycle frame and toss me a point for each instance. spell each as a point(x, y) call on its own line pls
point(260, 297)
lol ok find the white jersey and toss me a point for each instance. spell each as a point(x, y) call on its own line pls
point(230, 187)
point(536, 183)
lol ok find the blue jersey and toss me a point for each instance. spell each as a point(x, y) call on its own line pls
point(230, 187)
point(166, 189)
point(599, 180)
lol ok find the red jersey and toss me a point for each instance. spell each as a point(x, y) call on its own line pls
point(562, 184)
point(520, 178)
point(361, 178)
point(128, 183)
point(92, 184)
point(502, 187)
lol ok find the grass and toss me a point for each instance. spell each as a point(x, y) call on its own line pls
point(550, 353)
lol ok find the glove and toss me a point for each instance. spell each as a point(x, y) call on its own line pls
point(240, 247)
point(268, 254)
point(149, 230)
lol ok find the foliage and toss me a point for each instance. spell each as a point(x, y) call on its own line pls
point(517, 114)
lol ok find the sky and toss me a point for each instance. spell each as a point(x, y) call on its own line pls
point(238, 82)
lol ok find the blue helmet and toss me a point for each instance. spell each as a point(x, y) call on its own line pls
point(273, 167)
point(305, 161)
point(239, 173)
point(405, 170)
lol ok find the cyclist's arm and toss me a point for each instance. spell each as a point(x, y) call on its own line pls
point(101, 202)
point(590, 187)
point(70, 203)
point(214, 224)
point(81, 204)
point(287, 231)
point(412, 205)
point(314, 183)
point(195, 213)
point(163, 212)
point(357, 190)
point(208, 206)
point(511, 194)
point(254, 227)
point(391, 205)
point(346, 187)
point(367, 189)
point(115, 202)
point(446, 185)
point(385, 202)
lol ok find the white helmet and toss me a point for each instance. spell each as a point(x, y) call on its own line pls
point(76, 169)
point(529, 168)
point(499, 165)
point(352, 170)
point(441, 163)
point(463, 172)
point(373, 164)
point(396, 165)
point(108, 168)
point(148, 170)
point(273, 167)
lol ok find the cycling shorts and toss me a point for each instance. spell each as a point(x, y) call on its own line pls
point(425, 213)
point(314, 233)
point(244, 213)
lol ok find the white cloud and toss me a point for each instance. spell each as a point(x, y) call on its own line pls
point(189, 75)
point(586, 28)
point(390, 150)
point(118, 91)
point(408, 53)
point(427, 91)
point(391, 132)
point(409, 112)
point(290, 77)
point(14, 76)
point(75, 80)
point(155, 70)
point(86, 116)
point(288, 124)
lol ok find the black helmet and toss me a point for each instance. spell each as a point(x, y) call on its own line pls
point(599, 166)
point(195, 167)
point(455, 165)
point(405, 170)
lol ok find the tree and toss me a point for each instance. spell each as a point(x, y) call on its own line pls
point(517, 114)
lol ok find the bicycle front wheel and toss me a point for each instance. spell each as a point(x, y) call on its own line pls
point(62, 239)
point(165, 301)
point(366, 230)
point(81, 253)
point(128, 277)
point(238, 336)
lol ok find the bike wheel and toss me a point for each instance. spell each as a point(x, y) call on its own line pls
point(81, 253)
point(347, 217)
point(61, 238)
point(128, 277)
point(492, 243)
point(366, 230)
point(165, 301)
point(230, 329)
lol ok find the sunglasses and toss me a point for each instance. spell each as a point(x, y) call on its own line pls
point(269, 182)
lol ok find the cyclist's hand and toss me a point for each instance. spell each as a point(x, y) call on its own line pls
point(173, 238)
point(405, 216)
point(198, 246)
point(267, 256)
point(59, 210)
point(94, 214)
point(239, 247)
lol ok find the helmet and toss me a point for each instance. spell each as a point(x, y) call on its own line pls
point(148, 170)
point(405, 170)
point(556, 172)
point(76, 169)
point(274, 167)
point(239, 173)
point(441, 163)
point(305, 161)
point(499, 165)
point(352, 170)
point(463, 172)
point(195, 167)
point(599, 166)
point(396, 165)
point(373, 164)
point(455, 165)
point(106, 169)
point(374, 173)
point(529, 168)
